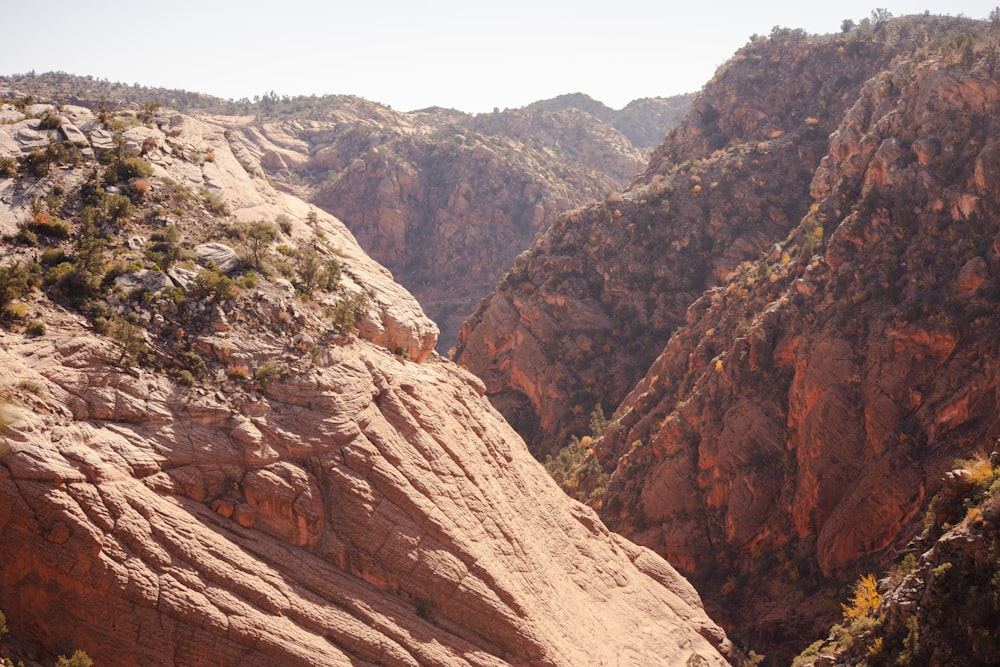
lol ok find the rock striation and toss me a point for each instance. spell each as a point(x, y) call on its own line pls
point(224, 465)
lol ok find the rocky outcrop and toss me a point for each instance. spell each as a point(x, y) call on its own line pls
point(793, 427)
point(938, 603)
point(584, 312)
point(363, 509)
point(272, 466)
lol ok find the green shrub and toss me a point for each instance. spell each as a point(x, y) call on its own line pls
point(3, 626)
point(52, 227)
point(78, 659)
point(284, 223)
point(8, 167)
point(248, 280)
point(348, 312)
point(166, 250)
point(25, 236)
point(72, 281)
point(50, 121)
point(52, 256)
point(194, 364)
point(210, 283)
point(185, 378)
point(268, 372)
point(123, 168)
point(35, 328)
point(214, 202)
point(39, 161)
point(16, 281)
point(316, 272)
point(119, 207)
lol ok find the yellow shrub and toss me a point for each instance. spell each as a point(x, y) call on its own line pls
point(865, 599)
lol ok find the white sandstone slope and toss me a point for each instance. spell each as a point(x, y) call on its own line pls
point(364, 505)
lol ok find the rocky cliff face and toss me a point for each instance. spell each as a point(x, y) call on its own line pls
point(221, 447)
point(585, 311)
point(442, 198)
point(791, 431)
point(445, 200)
point(939, 603)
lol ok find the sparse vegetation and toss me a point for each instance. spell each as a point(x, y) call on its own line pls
point(257, 236)
point(78, 659)
point(214, 202)
point(128, 338)
point(16, 281)
point(210, 283)
point(348, 311)
point(864, 599)
point(315, 272)
point(269, 372)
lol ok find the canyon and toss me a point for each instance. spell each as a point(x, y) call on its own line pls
point(790, 317)
point(764, 355)
point(227, 436)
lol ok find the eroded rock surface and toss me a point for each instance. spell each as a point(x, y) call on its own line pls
point(238, 473)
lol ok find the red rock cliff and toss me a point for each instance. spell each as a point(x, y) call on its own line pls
point(790, 432)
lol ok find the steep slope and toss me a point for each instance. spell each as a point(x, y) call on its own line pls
point(940, 603)
point(585, 311)
point(443, 199)
point(791, 431)
point(224, 450)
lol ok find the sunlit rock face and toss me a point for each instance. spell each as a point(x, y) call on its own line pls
point(199, 473)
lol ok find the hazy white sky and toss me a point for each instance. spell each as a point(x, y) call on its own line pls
point(411, 54)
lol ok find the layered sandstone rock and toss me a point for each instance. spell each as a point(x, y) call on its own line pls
point(364, 509)
point(228, 479)
point(792, 430)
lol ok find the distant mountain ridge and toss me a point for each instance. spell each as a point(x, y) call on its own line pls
point(446, 200)
point(644, 121)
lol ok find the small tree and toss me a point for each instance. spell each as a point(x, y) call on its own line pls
point(317, 273)
point(212, 284)
point(598, 422)
point(864, 600)
point(258, 235)
point(128, 338)
point(16, 280)
point(348, 312)
point(880, 16)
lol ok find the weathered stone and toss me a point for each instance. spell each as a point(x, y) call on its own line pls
point(151, 281)
point(351, 508)
point(971, 276)
point(217, 255)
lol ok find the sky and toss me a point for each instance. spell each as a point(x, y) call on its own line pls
point(412, 54)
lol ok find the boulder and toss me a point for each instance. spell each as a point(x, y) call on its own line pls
point(217, 255)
